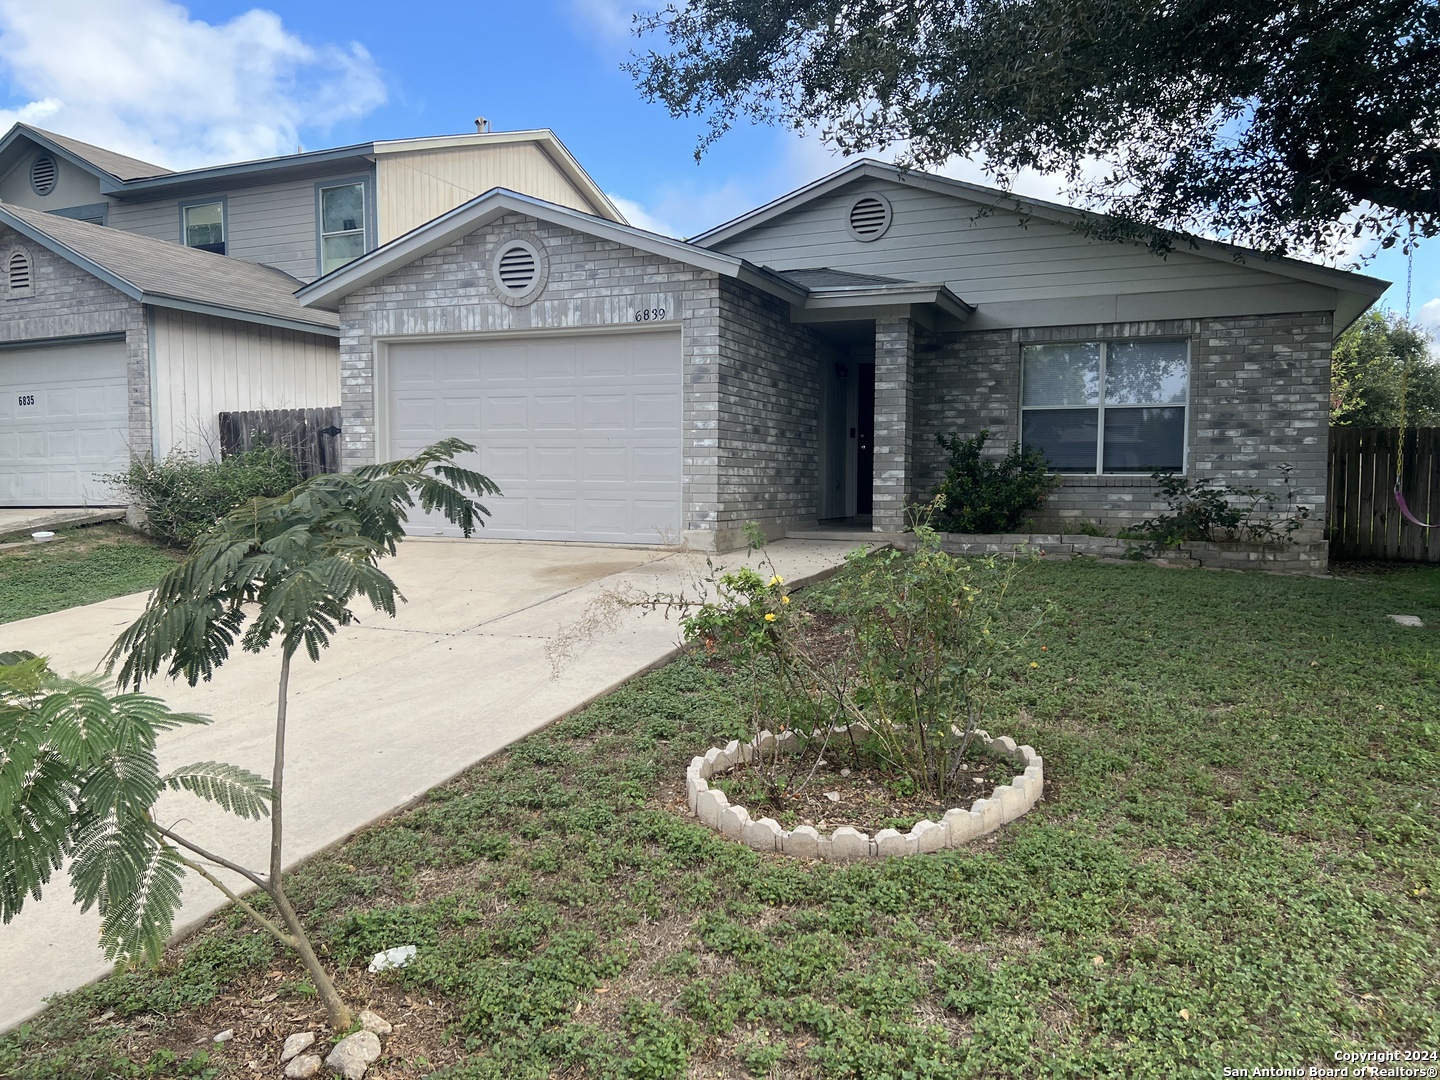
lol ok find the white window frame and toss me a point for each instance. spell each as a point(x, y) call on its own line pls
point(321, 235)
point(1099, 407)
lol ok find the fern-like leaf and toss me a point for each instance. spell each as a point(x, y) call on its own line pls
point(135, 926)
point(234, 789)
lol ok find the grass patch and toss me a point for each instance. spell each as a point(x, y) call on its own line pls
point(81, 566)
point(1237, 864)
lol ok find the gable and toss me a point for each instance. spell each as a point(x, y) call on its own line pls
point(1018, 271)
point(74, 186)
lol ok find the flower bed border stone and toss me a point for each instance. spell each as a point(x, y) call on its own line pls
point(955, 829)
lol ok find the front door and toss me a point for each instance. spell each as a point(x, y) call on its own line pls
point(865, 440)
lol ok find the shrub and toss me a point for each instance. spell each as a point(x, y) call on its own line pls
point(1202, 512)
point(979, 495)
point(183, 496)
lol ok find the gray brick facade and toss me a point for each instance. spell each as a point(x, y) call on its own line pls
point(67, 302)
point(749, 378)
point(1259, 396)
point(895, 397)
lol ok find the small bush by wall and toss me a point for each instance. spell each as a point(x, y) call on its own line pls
point(182, 496)
point(979, 495)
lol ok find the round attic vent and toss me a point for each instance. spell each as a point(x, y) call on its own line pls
point(869, 217)
point(42, 174)
point(518, 269)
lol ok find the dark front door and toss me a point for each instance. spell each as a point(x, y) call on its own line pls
point(865, 439)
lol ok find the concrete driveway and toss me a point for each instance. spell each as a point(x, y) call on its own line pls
point(395, 707)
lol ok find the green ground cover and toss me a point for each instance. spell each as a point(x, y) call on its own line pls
point(81, 566)
point(1237, 863)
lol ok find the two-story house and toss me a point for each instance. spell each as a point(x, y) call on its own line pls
point(137, 303)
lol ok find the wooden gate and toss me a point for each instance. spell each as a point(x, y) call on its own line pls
point(1363, 520)
point(310, 435)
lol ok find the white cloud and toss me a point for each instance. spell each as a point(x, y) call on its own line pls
point(1429, 316)
point(612, 20)
point(640, 217)
point(144, 78)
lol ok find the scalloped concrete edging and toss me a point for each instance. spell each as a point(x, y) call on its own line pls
point(957, 828)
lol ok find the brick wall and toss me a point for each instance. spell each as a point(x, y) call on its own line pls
point(769, 405)
point(1259, 396)
point(67, 302)
point(592, 283)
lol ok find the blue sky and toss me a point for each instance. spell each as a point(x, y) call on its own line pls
point(214, 80)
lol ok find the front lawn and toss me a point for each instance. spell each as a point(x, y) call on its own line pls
point(82, 565)
point(1237, 863)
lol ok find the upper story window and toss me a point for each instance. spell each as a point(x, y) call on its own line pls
point(342, 225)
point(1106, 406)
point(202, 225)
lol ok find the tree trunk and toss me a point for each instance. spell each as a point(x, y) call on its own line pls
point(340, 1016)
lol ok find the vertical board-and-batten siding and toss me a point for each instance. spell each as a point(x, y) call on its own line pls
point(1018, 272)
point(418, 186)
point(205, 366)
point(273, 224)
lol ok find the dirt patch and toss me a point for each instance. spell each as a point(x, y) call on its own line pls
point(851, 793)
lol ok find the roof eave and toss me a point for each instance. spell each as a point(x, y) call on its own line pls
point(21, 130)
point(244, 168)
point(219, 311)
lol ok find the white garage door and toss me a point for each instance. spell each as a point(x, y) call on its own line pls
point(581, 431)
point(63, 422)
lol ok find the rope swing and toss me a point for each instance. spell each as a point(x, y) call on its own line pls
point(1405, 511)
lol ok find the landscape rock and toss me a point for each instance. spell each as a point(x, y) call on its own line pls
point(1408, 620)
point(396, 957)
point(296, 1044)
point(373, 1021)
point(303, 1067)
point(224, 1036)
point(354, 1053)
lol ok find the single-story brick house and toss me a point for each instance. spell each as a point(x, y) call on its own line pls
point(795, 365)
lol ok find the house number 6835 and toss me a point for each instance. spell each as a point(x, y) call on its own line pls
point(27, 399)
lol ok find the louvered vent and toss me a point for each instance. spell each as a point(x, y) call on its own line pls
point(42, 174)
point(869, 217)
point(19, 271)
point(517, 268)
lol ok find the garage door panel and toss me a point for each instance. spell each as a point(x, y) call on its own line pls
point(607, 412)
point(582, 432)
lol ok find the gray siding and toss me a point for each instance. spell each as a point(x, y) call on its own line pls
point(272, 224)
point(66, 302)
point(1018, 272)
point(1259, 396)
point(73, 185)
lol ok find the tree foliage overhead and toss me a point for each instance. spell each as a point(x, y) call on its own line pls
point(1263, 121)
point(1377, 362)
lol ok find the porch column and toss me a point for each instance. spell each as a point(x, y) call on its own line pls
point(894, 420)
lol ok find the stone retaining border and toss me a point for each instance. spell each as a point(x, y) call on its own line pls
point(958, 826)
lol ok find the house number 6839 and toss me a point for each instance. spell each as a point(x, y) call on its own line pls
point(651, 314)
point(27, 399)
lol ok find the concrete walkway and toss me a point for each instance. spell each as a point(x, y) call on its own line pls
point(22, 519)
point(394, 708)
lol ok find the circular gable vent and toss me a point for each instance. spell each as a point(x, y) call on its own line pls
point(42, 174)
point(869, 217)
point(518, 269)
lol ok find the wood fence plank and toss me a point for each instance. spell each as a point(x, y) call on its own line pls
point(308, 435)
point(1363, 519)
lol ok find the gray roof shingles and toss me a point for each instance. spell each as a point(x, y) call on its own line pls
point(117, 165)
point(161, 269)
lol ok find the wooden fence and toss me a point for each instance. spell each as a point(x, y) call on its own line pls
point(311, 435)
point(1363, 520)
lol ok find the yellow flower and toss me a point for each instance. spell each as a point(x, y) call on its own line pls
point(1034, 664)
point(784, 599)
point(770, 616)
point(776, 580)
